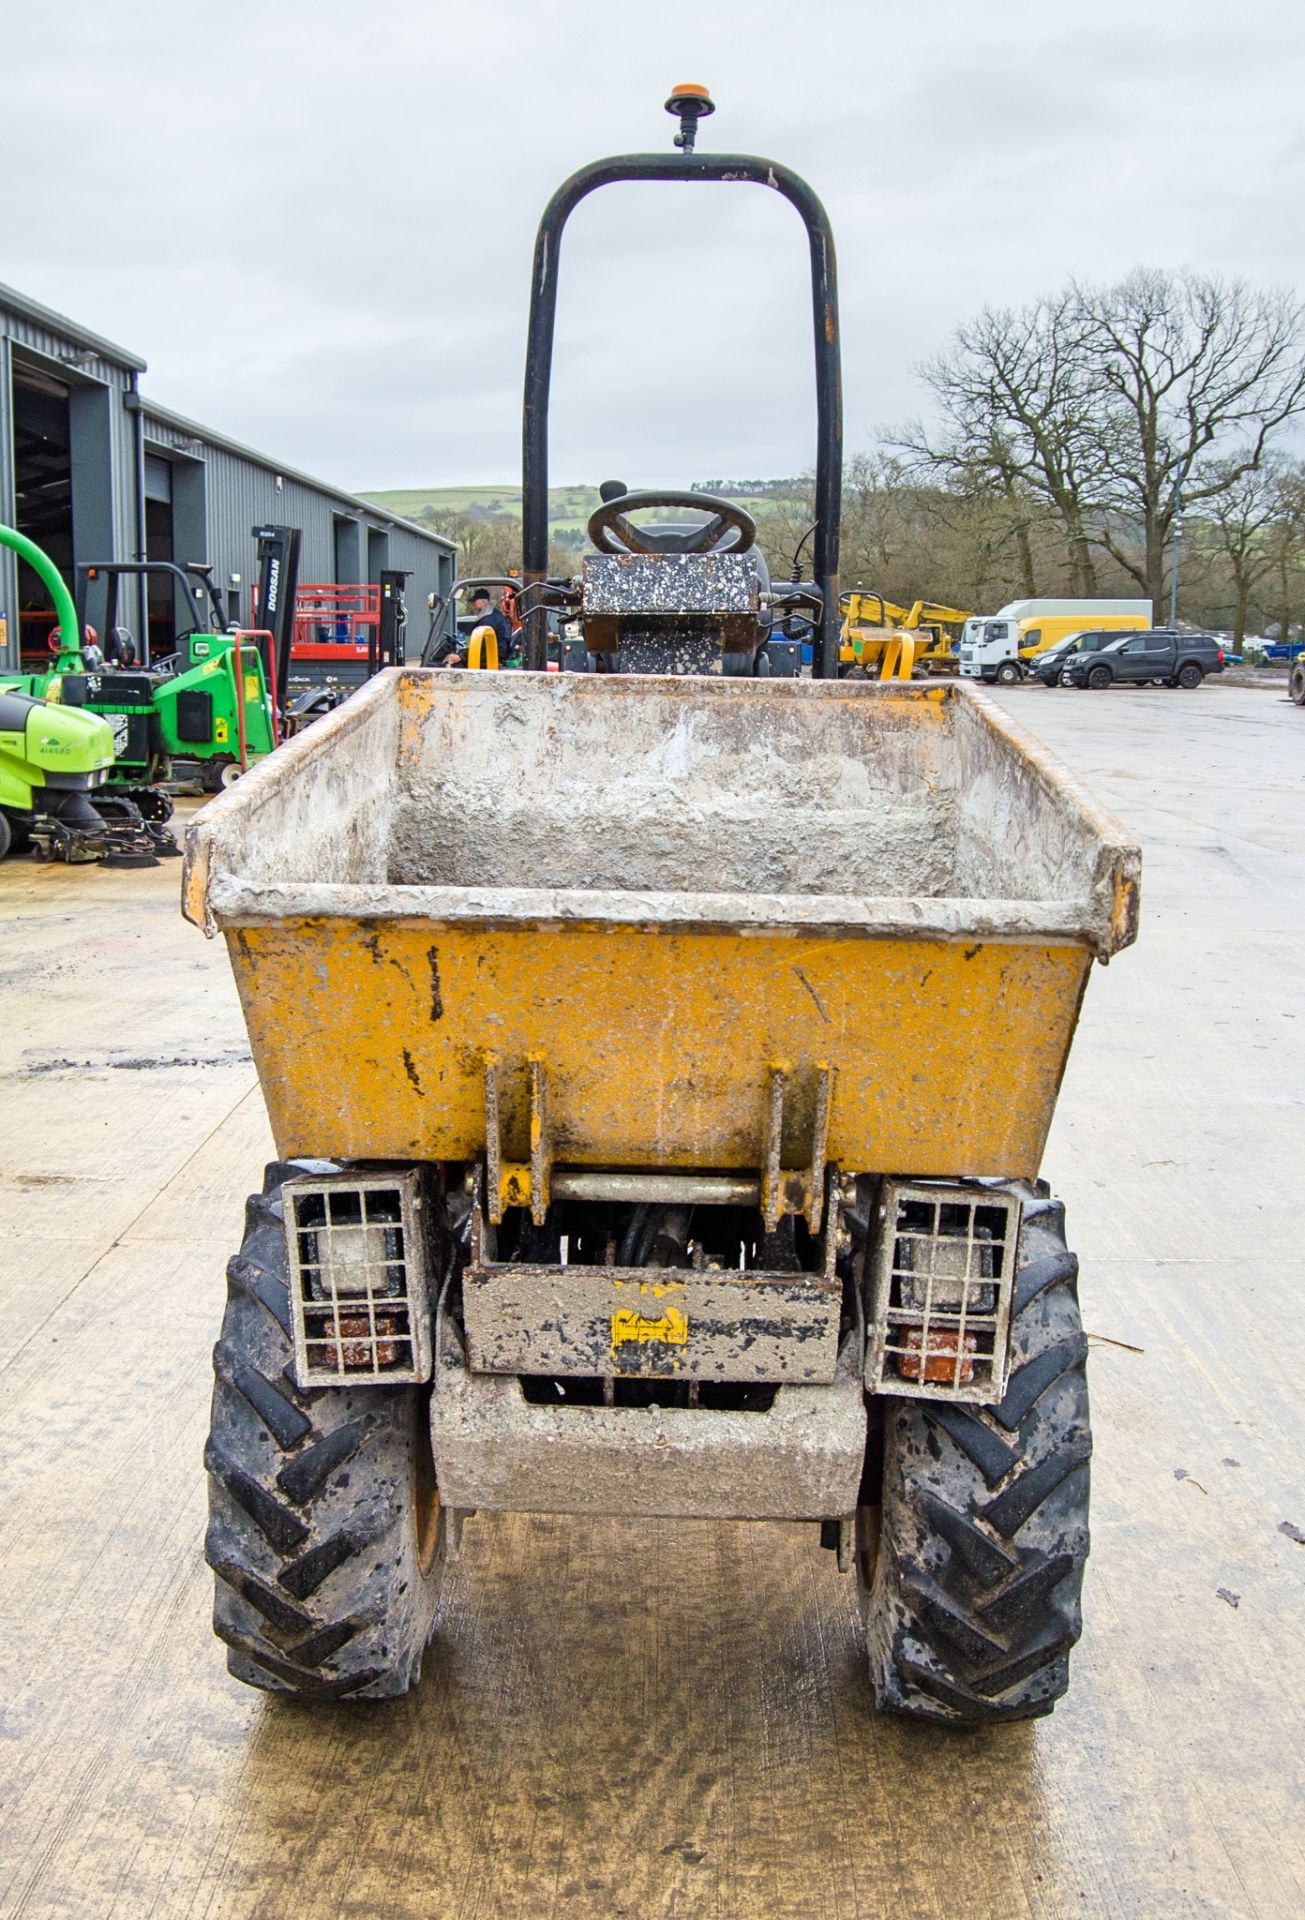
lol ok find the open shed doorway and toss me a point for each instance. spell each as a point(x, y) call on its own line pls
point(159, 545)
point(43, 487)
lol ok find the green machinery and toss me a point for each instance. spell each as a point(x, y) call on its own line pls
point(56, 762)
point(209, 703)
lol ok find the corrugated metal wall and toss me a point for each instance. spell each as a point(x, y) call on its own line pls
point(36, 340)
point(243, 490)
point(220, 491)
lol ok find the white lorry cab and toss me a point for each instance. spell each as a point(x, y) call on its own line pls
point(1001, 645)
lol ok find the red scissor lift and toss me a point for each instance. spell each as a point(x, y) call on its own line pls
point(337, 633)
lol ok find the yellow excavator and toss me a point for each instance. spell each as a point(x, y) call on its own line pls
point(884, 641)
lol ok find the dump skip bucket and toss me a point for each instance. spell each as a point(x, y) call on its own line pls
point(635, 901)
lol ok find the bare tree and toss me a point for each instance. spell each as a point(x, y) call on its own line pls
point(1091, 404)
point(1021, 406)
point(491, 543)
point(1183, 369)
point(1237, 524)
point(1286, 541)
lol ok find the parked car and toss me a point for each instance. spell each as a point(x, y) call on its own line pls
point(1050, 667)
point(1168, 658)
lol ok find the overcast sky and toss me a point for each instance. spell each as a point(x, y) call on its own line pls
point(314, 219)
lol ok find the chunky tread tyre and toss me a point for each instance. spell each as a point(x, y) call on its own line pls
point(321, 1585)
point(983, 1537)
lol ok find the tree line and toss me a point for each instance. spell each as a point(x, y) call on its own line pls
point(1068, 443)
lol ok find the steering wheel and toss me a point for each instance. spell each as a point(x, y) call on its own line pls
point(611, 532)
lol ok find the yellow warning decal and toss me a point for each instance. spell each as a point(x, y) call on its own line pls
point(672, 1329)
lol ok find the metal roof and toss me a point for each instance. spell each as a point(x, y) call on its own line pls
point(32, 311)
point(28, 309)
point(205, 435)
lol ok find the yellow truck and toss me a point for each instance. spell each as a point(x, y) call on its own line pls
point(998, 647)
point(660, 1059)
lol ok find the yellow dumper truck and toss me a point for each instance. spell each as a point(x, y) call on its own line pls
point(660, 1065)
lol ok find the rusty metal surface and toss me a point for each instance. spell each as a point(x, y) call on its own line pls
point(686, 1189)
point(943, 1262)
point(359, 1296)
point(497, 1452)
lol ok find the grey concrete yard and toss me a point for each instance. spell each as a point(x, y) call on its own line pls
point(660, 1719)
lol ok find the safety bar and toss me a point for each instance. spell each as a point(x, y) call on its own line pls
point(687, 165)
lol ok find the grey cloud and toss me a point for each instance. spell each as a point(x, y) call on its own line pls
point(316, 223)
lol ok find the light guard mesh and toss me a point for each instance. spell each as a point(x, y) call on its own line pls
point(358, 1293)
point(943, 1279)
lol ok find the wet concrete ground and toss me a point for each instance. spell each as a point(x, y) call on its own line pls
point(673, 1719)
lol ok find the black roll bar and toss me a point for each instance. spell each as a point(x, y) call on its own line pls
point(182, 575)
point(686, 165)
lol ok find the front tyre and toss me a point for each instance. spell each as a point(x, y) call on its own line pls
point(973, 1604)
point(325, 1531)
point(1296, 681)
point(1008, 673)
point(1099, 679)
point(217, 773)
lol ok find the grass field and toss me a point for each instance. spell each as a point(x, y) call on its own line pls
point(569, 507)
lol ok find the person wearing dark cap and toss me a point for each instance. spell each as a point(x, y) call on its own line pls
point(485, 614)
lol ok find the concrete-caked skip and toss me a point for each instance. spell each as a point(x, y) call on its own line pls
point(659, 989)
point(661, 1053)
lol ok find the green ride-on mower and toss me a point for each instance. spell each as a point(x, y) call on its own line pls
point(56, 762)
point(208, 702)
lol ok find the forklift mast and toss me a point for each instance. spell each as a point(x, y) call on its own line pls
point(389, 646)
point(278, 579)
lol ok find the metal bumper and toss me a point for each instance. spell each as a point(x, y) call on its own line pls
point(495, 1451)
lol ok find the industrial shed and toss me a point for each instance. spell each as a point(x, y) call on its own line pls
point(94, 471)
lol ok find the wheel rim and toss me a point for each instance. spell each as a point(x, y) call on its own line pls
point(866, 1554)
point(229, 774)
point(428, 1509)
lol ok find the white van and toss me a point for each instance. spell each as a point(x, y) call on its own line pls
point(999, 646)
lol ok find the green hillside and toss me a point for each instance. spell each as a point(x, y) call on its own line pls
point(569, 507)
